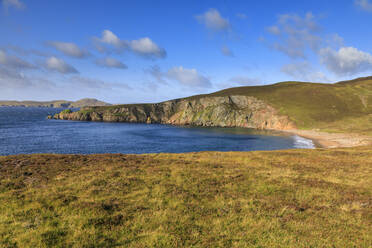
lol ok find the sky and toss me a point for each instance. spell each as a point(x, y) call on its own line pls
point(150, 51)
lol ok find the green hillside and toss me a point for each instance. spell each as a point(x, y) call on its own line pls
point(340, 107)
point(316, 105)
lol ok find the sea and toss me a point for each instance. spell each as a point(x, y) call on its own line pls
point(25, 130)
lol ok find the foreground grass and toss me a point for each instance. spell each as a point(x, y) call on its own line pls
point(296, 198)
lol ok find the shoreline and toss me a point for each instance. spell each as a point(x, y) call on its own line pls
point(320, 139)
point(332, 140)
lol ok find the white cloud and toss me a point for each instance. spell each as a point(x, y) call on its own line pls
point(304, 71)
point(111, 63)
point(364, 5)
point(13, 3)
point(226, 51)
point(295, 34)
point(146, 47)
point(346, 61)
point(56, 64)
point(143, 46)
point(214, 21)
point(110, 38)
point(107, 39)
point(69, 49)
point(188, 77)
point(14, 62)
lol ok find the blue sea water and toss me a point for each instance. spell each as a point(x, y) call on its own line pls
point(26, 130)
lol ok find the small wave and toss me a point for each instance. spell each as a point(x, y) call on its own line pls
point(300, 142)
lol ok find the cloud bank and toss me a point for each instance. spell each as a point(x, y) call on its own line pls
point(146, 47)
point(346, 61)
point(14, 62)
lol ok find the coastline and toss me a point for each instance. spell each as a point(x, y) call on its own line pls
point(332, 140)
point(321, 139)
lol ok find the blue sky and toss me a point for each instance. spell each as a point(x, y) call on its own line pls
point(149, 51)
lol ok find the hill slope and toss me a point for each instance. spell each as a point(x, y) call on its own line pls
point(340, 107)
point(56, 104)
point(311, 105)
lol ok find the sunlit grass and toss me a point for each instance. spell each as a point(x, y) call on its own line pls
point(314, 105)
point(297, 198)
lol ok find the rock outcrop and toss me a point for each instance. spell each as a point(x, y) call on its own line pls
point(224, 111)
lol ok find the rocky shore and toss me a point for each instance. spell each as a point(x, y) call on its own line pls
point(309, 110)
point(225, 111)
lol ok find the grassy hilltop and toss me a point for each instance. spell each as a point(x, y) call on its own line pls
point(296, 198)
point(343, 106)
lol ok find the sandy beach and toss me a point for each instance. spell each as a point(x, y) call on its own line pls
point(333, 140)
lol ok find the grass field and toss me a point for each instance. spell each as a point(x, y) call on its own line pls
point(293, 198)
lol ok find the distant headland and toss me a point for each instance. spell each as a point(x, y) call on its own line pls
point(55, 104)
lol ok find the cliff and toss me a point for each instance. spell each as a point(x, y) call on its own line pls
point(340, 107)
point(224, 111)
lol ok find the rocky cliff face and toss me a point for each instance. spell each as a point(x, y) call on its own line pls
point(224, 111)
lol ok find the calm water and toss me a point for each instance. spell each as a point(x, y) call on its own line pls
point(26, 130)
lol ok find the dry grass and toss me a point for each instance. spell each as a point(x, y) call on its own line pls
point(296, 198)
